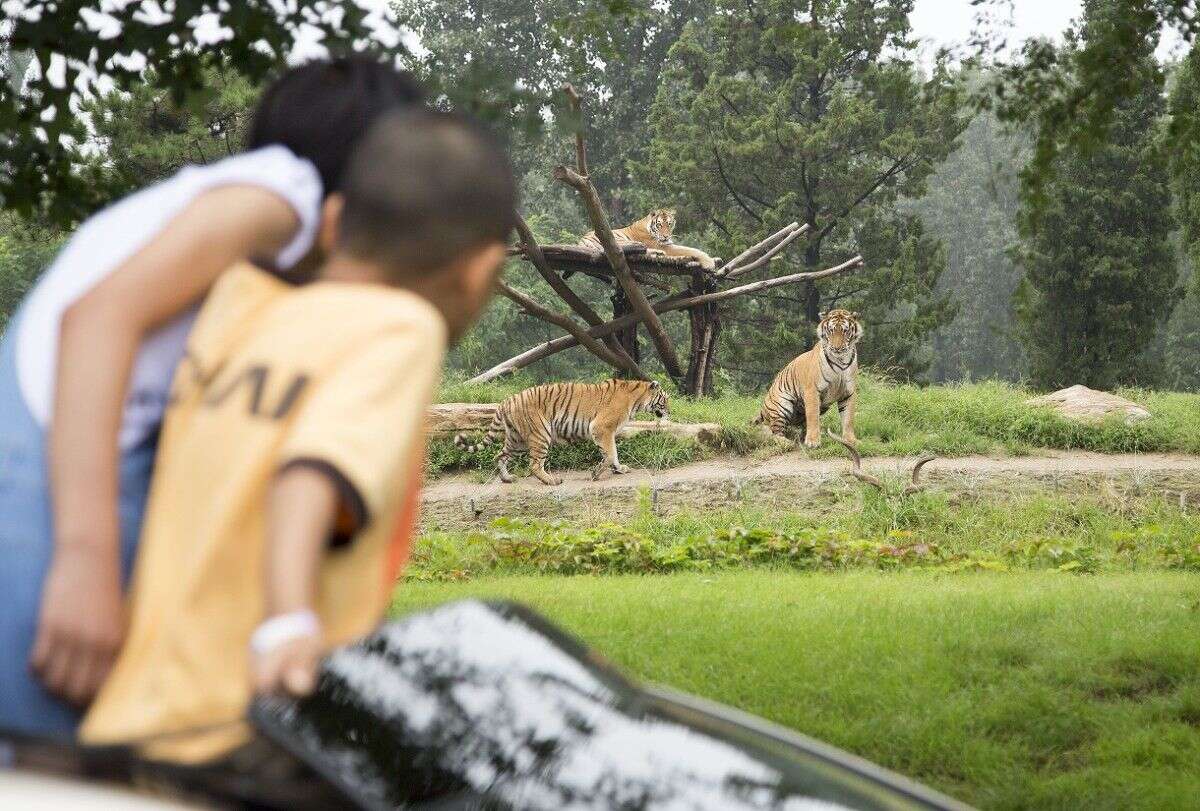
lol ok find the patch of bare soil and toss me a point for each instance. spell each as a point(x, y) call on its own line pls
point(794, 482)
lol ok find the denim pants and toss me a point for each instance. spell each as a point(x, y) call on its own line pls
point(26, 545)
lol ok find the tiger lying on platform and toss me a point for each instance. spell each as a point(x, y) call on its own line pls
point(655, 232)
point(537, 417)
point(822, 376)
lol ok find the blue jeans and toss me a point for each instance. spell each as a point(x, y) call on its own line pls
point(26, 545)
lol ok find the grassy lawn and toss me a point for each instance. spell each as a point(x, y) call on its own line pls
point(1076, 534)
point(892, 420)
point(1010, 691)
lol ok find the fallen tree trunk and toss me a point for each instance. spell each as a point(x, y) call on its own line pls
point(446, 419)
point(667, 305)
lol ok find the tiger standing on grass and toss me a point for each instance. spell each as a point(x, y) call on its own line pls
point(656, 231)
point(536, 418)
point(821, 377)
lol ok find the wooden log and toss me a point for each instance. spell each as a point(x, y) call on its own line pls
point(446, 419)
point(666, 305)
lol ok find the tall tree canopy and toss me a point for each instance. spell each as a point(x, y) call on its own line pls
point(1100, 269)
point(515, 55)
point(74, 45)
point(1182, 366)
point(766, 115)
point(972, 207)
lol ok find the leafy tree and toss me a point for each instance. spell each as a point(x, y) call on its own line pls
point(75, 45)
point(514, 56)
point(145, 135)
point(766, 115)
point(1100, 270)
point(1182, 367)
point(26, 249)
point(972, 206)
point(1072, 96)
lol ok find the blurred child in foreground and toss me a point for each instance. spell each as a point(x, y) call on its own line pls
point(291, 442)
point(86, 366)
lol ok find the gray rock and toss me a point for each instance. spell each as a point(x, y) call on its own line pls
point(1088, 405)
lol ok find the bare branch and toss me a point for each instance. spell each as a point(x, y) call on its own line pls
point(754, 250)
point(857, 471)
point(580, 145)
point(533, 253)
point(591, 344)
point(637, 299)
point(678, 302)
point(916, 485)
point(769, 255)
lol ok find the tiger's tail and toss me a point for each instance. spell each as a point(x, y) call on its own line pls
point(491, 436)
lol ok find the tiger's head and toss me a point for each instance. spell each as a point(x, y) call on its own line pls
point(839, 331)
point(661, 225)
point(654, 400)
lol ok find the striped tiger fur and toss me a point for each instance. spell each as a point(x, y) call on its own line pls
point(655, 231)
point(818, 379)
point(537, 417)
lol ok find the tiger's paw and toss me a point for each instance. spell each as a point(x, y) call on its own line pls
point(811, 441)
point(621, 469)
point(708, 263)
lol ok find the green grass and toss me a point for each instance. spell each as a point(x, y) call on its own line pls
point(1010, 691)
point(1075, 534)
point(893, 420)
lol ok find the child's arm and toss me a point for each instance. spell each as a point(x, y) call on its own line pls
point(301, 511)
point(98, 340)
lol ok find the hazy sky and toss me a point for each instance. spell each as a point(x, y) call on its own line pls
point(947, 23)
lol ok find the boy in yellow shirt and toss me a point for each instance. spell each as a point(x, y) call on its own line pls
point(288, 450)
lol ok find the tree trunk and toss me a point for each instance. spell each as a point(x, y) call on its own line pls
point(704, 322)
point(627, 338)
point(712, 354)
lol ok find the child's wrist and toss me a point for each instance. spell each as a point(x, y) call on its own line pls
point(281, 628)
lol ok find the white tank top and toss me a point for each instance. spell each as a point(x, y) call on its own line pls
point(109, 238)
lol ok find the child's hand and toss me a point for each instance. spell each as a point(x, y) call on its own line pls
point(286, 653)
point(74, 650)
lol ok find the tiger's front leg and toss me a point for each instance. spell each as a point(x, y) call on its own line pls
point(846, 410)
point(706, 261)
point(605, 437)
point(812, 418)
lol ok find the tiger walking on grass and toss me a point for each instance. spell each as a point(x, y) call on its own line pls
point(536, 418)
point(821, 377)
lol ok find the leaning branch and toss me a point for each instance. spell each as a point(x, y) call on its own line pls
point(533, 252)
point(678, 302)
point(591, 344)
point(580, 145)
point(633, 292)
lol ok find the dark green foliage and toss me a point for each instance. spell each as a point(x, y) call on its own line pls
point(1073, 96)
point(1182, 354)
point(26, 249)
point(929, 530)
point(73, 44)
point(766, 116)
point(972, 208)
point(1100, 269)
point(145, 135)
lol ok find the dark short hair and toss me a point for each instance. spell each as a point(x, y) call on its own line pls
point(322, 109)
point(423, 188)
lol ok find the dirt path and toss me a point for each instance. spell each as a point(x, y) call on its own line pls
point(792, 480)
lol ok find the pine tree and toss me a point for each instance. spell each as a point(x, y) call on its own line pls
point(1182, 355)
point(770, 113)
point(1100, 277)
